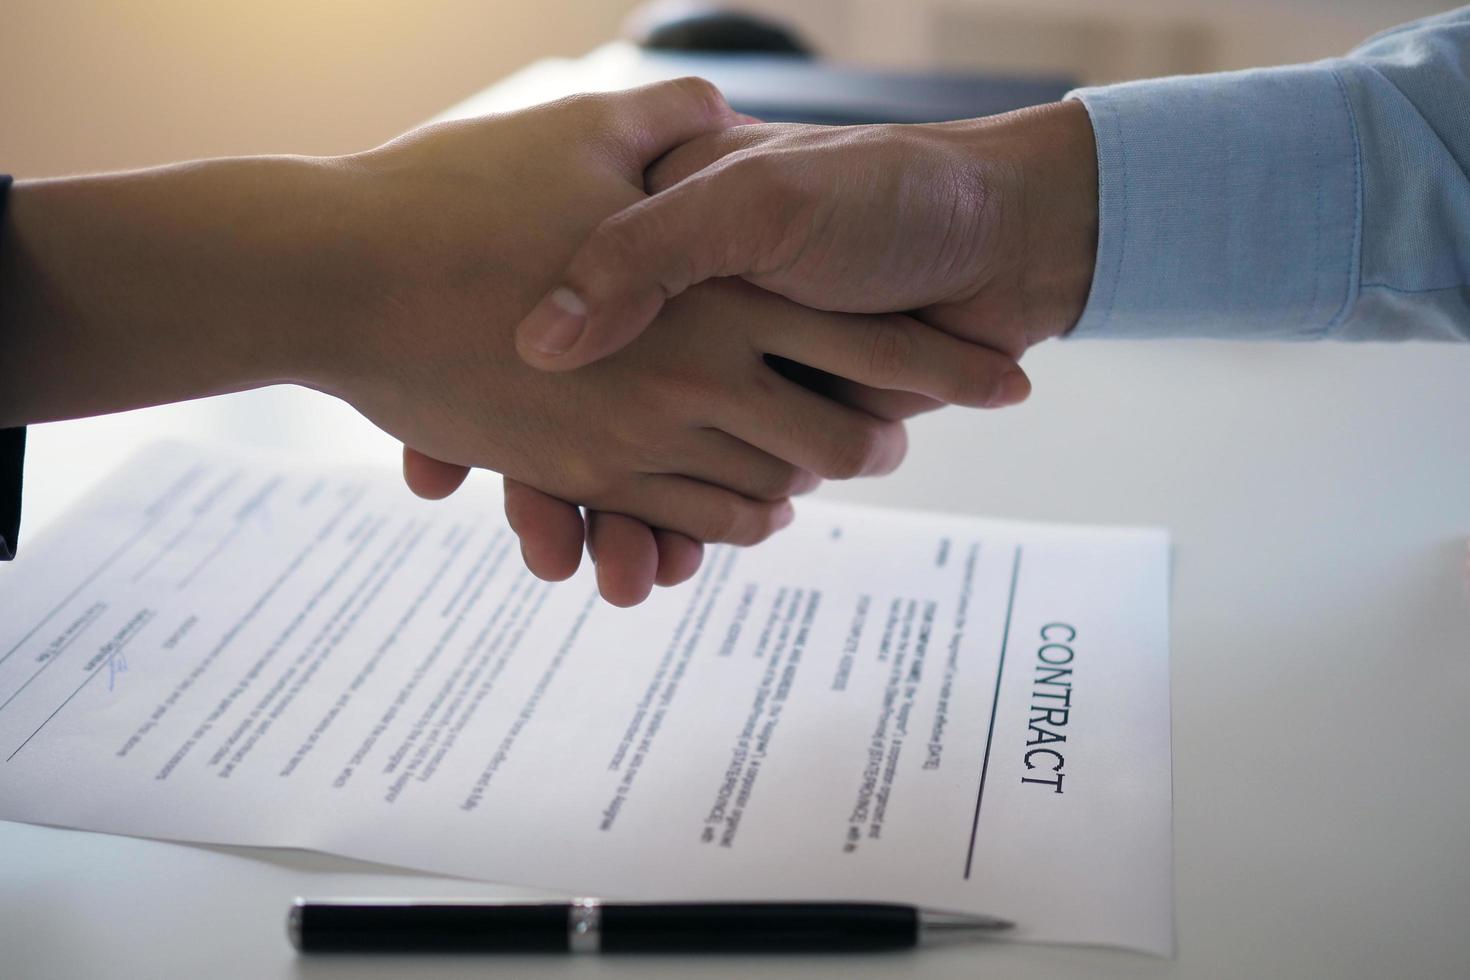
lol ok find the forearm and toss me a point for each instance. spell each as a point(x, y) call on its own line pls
point(125, 290)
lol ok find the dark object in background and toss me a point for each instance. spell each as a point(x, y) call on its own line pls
point(766, 70)
point(713, 30)
point(784, 85)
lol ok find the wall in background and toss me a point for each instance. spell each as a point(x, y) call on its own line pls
point(96, 84)
point(99, 84)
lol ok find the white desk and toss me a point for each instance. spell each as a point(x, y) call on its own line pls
point(1320, 501)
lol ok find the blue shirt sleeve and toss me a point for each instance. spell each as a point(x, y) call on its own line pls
point(1296, 203)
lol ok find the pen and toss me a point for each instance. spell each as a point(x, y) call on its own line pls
point(586, 925)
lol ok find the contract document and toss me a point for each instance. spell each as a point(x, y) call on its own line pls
point(875, 705)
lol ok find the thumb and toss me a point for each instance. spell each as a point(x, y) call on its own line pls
point(712, 224)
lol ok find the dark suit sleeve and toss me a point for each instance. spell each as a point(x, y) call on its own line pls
point(12, 452)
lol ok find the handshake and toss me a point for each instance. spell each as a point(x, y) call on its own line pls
point(641, 303)
point(647, 305)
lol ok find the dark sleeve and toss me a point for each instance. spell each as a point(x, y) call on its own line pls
point(12, 453)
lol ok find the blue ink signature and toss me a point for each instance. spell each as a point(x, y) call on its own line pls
point(116, 664)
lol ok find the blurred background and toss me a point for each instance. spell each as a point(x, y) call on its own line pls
point(100, 84)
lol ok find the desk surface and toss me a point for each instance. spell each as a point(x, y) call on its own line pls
point(1320, 502)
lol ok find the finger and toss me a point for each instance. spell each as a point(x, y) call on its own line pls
point(998, 322)
point(551, 531)
point(818, 435)
point(689, 158)
point(679, 557)
point(626, 555)
point(719, 458)
point(650, 120)
point(900, 353)
point(894, 406)
point(713, 224)
point(703, 511)
point(431, 478)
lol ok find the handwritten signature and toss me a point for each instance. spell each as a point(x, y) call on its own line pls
point(116, 664)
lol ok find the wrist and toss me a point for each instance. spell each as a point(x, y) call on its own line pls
point(270, 245)
point(1059, 199)
point(1035, 171)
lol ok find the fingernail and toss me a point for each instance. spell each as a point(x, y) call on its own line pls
point(556, 322)
point(1011, 390)
point(785, 516)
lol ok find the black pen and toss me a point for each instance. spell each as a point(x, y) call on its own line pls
point(587, 925)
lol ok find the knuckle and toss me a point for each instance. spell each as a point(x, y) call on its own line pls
point(688, 395)
point(843, 462)
point(890, 351)
point(704, 94)
point(704, 152)
point(973, 387)
point(721, 523)
point(806, 481)
point(617, 238)
point(616, 248)
point(780, 481)
point(664, 173)
point(768, 524)
point(588, 481)
point(956, 381)
point(853, 453)
point(657, 451)
point(897, 443)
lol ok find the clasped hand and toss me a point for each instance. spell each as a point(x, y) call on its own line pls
point(983, 229)
point(695, 432)
point(506, 293)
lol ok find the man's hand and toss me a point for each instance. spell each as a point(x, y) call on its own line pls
point(986, 227)
point(700, 401)
point(632, 555)
point(690, 429)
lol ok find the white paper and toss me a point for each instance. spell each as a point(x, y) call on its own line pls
point(220, 648)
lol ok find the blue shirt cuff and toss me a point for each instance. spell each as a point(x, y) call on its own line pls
point(1229, 206)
